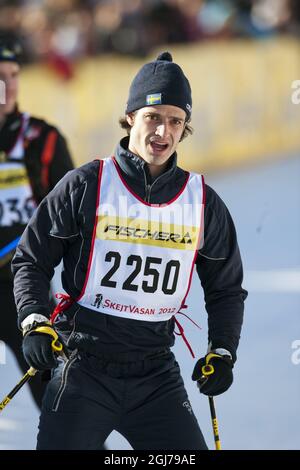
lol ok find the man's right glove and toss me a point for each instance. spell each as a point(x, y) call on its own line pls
point(40, 344)
point(213, 372)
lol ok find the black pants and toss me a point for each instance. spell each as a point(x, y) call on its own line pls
point(10, 334)
point(145, 401)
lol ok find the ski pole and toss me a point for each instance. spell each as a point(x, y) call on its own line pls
point(56, 346)
point(214, 423)
point(30, 373)
point(207, 370)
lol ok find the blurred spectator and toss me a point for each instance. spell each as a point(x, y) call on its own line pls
point(293, 26)
point(261, 18)
point(61, 31)
point(214, 19)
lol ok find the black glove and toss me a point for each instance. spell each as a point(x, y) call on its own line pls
point(218, 368)
point(38, 346)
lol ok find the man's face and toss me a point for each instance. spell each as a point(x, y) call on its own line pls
point(155, 132)
point(9, 74)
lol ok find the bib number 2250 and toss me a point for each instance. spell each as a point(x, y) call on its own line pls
point(150, 273)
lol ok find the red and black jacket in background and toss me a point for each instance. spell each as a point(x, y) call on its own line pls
point(46, 158)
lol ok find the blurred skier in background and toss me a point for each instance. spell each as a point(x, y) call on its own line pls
point(33, 158)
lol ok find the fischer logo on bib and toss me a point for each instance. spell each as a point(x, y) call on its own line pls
point(143, 254)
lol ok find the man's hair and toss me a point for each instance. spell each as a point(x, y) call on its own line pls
point(188, 130)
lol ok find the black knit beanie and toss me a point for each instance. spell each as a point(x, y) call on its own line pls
point(160, 82)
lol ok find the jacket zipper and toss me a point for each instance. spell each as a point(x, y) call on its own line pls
point(63, 384)
point(148, 187)
point(148, 192)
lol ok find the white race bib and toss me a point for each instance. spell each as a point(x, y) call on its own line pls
point(142, 255)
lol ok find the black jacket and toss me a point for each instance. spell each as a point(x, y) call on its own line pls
point(47, 160)
point(62, 227)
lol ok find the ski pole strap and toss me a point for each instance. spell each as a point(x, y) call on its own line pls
point(208, 369)
point(48, 330)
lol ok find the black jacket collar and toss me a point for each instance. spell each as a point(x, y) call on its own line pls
point(10, 130)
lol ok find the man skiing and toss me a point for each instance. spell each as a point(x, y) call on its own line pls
point(130, 229)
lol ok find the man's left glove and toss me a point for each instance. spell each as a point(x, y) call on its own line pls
point(213, 372)
point(40, 344)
